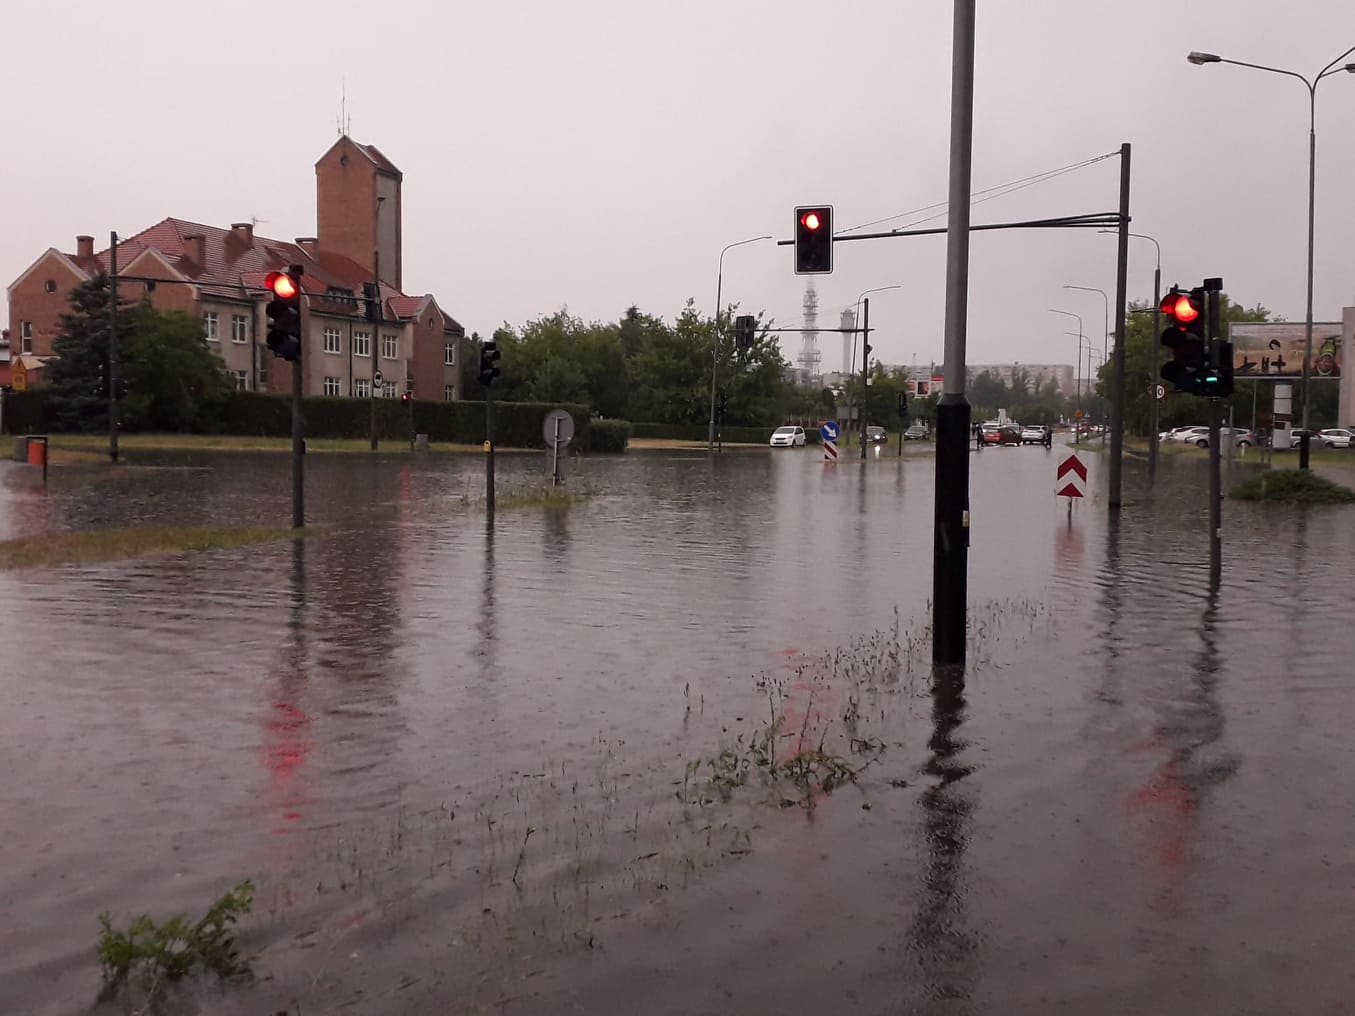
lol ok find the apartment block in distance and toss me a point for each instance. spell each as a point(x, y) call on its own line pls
point(217, 273)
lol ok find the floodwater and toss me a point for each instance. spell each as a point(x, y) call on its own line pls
point(470, 771)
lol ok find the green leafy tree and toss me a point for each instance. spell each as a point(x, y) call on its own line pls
point(174, 380)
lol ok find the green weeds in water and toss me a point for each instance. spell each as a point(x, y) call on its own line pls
point(169, 951)
point(527, 497)
point(50, 550)
point(1295, 486)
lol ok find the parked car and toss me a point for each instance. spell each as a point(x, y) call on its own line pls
point(916, 432)
point(1173, 434)
point(1190, 435)
point(1335, 437)
point(788, 437)
point(1241, 438)
point(876, 435)
point(1033, 433)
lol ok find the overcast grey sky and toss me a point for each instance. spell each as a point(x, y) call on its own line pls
point(599, 153)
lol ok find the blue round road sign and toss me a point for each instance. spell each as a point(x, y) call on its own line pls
point(829, 431)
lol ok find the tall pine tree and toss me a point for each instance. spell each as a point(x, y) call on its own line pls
point(75, 377)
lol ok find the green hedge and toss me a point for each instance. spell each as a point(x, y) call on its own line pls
point(699, 432)
point(606, 436)
point(516, 424)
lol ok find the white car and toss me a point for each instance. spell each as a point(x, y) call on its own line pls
point(1189, 435)
point(1175, 433)
point(788, 437)
point(1336, 437)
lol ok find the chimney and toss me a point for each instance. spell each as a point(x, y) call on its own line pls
point(243, 231)
point(195, 249)
point(309, 244)
point(84, 246)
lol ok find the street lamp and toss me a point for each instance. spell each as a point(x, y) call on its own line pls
point(1331, 68)
point(715, 341)
point(865, 366)
point(1105, 334)
point(1153, 342)
point(1077, 371)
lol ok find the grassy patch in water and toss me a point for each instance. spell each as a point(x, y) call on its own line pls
point(528, 497)
point(49, 550)
point(1295, 486)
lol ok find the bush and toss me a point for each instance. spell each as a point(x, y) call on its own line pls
point(606, 436)
point(26, 412)
point(700, 431)
point(1297, 486)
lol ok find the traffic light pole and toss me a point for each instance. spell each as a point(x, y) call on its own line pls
point(1152, 394)
point(1214, 289)
point(1117, 371)
point(376, 337)
point(112, 348)
point(489, 452)
point(950, 554)
point(298, 438)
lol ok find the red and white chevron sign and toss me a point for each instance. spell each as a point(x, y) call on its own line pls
point(1072, 478)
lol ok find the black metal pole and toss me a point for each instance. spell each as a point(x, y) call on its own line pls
point(489, 452)
point(865, 372)
point(112, 347)
point(1212, 315)
point(950, 561)
point(376, 337)
point(1117, 371)
point(298, 427)
point(1153, 381)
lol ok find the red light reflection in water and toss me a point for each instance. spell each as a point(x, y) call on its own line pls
point(287, 748)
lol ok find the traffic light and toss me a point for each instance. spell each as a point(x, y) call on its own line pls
point(284, 313)
point(489, 363)
point(903, 405)
point(745, 330)
point(405, 396)
point(813, 239)
point(1185, 337)
point(722, 405)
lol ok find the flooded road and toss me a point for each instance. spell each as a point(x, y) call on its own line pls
point(472, 771)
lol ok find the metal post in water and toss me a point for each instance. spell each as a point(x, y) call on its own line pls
point(489, 452)
point(1152, 395)
point(950, 554)
point(1214, 289)
point(112, 348)
point(865, 373)
point(298, 425)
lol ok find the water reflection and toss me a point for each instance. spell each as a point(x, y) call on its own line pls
point(287, 742)
point(939, 934)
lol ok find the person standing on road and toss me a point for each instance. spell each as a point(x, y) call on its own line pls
point(978, 438)
point(1049, 437)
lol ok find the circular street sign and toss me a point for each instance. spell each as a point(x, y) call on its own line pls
point(829, 431)
point(376, 379)
point(1161, 391)
point(566, 430)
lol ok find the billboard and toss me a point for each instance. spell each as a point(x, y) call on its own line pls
point(1274, 350)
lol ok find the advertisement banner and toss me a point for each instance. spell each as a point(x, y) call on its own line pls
point(1274, 350)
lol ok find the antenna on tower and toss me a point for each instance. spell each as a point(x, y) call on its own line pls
point(344, 121)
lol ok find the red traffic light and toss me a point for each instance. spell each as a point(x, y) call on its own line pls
point(284, 287)
point(1181, 307)
point(811, 221)
point(405, 396)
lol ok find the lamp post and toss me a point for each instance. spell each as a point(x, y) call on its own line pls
point(1153, 343)
point(865, 341)
point(715, 340)
point(1078, 370)
point(1105, 335)
point(1198, 58)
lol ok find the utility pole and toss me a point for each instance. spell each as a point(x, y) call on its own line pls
point(865, 372)
point(375, 321)
point(1117, 372)
point(1152, 394)
point(489, 452)
point(950, 555)
point(113, 347)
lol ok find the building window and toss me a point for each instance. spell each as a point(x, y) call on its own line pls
point(50, 285)
point(26, 337)
point(209, 322)
point(449, 393)
point(449, 354)
point(362, 388)
point(362, 344)
point(332, 342)
point(239, 328)
point(390, 347)
point(333, 386)
point(388, 390)
point(241, 380)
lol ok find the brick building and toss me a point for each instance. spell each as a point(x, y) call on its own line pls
point(218, 273)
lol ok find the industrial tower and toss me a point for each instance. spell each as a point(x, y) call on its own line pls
point(809, 350)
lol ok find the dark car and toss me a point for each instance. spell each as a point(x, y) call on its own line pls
point(916, 432)
point(1004, 434)
point(876, 435)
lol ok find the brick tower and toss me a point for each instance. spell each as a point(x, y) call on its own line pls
point(357, 197)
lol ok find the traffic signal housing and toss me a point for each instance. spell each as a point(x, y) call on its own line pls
point(489, 363)
point(284, 313)
point(745, 331)
point(813, 240)
point(1185, 337)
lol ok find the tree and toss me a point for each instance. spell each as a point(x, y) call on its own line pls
point(174, 379)
point(75, 377)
